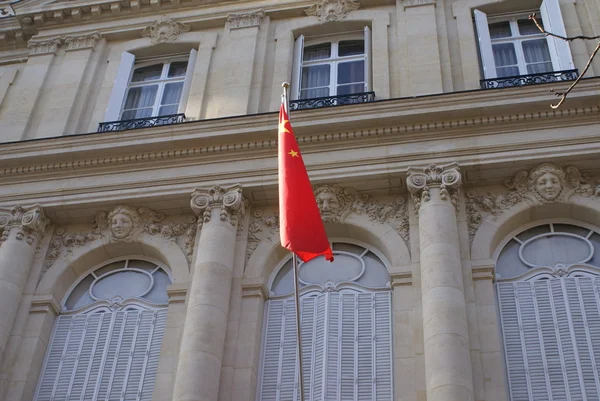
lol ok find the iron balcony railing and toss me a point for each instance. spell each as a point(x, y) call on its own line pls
point(123, 125)
point(531, 79)
point(329, 101)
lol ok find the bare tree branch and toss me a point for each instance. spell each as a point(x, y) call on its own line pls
point(563, 95)
point(566, 38)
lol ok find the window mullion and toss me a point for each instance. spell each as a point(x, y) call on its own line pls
point(159, 94)
point(520, 56)
point(333, 79)
point(325, 347)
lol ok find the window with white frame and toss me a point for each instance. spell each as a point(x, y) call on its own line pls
point(345, 329)
point(548, 289)
point(106, 341)
point(332, 65)
point(511, 45)
point(151, 87)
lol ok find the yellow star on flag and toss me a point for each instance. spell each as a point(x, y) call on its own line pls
point(293, 153)
point(282, 127)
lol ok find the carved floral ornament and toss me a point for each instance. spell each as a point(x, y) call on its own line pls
point(332, 10)
point(30, 223)
point(245, 20)
point(335, 203)
point(123, 224)
point(546, 183)
point(446, 178)
point(165, 30)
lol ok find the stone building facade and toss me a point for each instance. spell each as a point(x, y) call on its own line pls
point(139, 255)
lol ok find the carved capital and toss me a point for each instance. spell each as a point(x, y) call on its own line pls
point(82, 41)
point(332, 10)
point(165, 30)
point(6, 11)
point(46, 46)
point(446, 178)
point(245, 20)
point(29, 222)
point(229, 200)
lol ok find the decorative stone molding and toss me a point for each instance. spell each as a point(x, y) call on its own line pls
point(6, 11)
point(332, 10)
point(165, 30)
point(414, 3)
point(420, 181)
point(245, 20)
point(29, 222)
point(177, 292)
point(47, 46)
point(122, 224)
point(546, 183)
point(401, 278)
point(82, 41)
point(45, 304)
point(335, 203)
point(254, 287)
point(229, 200)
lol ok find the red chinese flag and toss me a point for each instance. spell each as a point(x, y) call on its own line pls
point(301, 227)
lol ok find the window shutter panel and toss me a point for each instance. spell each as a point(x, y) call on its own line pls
point(348, 347)
point(53, 362)
point(125, 349)
point(383, 346)
point(117, 96)
point(368, 60)
point(318, 349)
point(153, 353)
point(513, 345)
point(365, 346)
point(187, 84)
point(560, 52)
point(69, 357)
point(307, 323)
point(590, 298)
point(485, 45)
point(273, 351)
point(138, 359)
point(297, 67)
point(85, 356)
point(289, 362)
point(99, 356)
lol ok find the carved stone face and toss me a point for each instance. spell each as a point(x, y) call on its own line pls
point(548, 186)
point(332, 10)
point(329, 205)
point(121, 225)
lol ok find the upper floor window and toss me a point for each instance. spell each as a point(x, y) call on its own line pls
point(512, 46)
point(336, 65)
point(150, 88)
point(155, 90)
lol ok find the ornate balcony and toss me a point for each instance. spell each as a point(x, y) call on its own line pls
point(329, 101)
point(531, 79)
point(140, 123)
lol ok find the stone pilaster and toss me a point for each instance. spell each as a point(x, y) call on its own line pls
point(21, 231)
point(446, 339)
point(203, 342)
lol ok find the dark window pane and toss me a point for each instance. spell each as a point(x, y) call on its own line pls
point(172, 93)
point(502, 72)
point(140, 97)
point(536, 51)
point(504, 54)
point(134, 114)
point(527, 27)
point(317, 52)
point(351, 47)
point(147, 73)
point(539, 68)
point(168, 110)
point(177, 69)
point(500, 30)
point(353, 71)
point(350, 89)
point(313, 93)
point(315, 76)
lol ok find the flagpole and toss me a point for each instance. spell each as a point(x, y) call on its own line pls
point(285, 101)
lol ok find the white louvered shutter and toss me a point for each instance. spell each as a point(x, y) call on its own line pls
point(297, 67)
point(187, 84)
point(485, 45)
point(348, 347)
point(550, 330)
point(103, 356)
point(560, 52)
point(365, 344)
point(332, 376)
point(383, 346)
point(117, 96)
point(368, 60)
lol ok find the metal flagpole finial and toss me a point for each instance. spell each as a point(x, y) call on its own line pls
point(284, 96)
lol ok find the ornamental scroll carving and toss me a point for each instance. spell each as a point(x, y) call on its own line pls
point(45, 46)
point(446, 178)
point(123, 224)
point(332, 10)
point(82, 41)
point(229, 201)
point(546, 183)
point(29, 222)
point(335, 203)
point(165, 30)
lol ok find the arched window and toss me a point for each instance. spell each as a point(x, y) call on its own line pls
point(549, 301)
point(345, 328)
point(106, 341)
